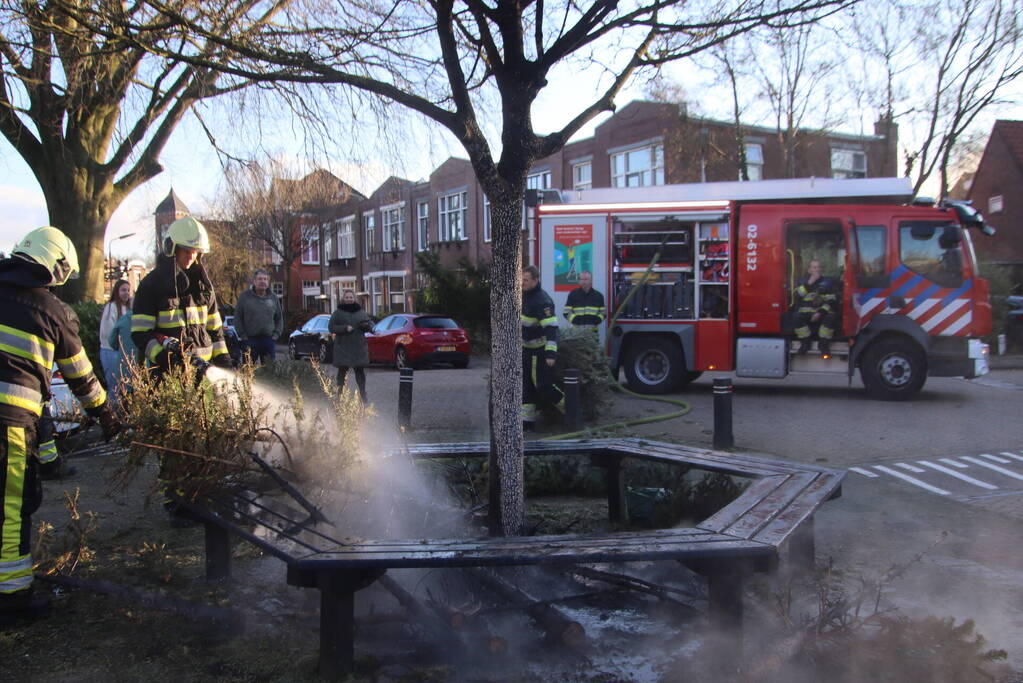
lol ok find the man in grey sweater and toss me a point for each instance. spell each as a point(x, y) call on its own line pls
point(258, 319)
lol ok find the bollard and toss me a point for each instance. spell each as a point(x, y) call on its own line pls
point(405, 398)
point(573, 405)
point(723, 413)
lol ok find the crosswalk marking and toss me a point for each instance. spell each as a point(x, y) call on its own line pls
point(958, 475)
point(1004, 461)
point(865, 473)
point(996, 468)
point(914, 480)
point(1013, 455)
point(953, 463)
point(907, 466)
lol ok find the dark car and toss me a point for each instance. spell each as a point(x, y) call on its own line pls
point(312, 340)
point(409, 339)
point(234, 345)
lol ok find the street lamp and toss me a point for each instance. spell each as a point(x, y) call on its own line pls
point(110, 245)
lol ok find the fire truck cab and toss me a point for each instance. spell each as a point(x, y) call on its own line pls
point(704, 277)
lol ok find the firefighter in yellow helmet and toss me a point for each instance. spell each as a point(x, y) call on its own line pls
point(174, 318)
point(36, 331)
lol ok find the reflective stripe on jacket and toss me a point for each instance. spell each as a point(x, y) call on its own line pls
point(175, 303)
point(539, 324)
point(819, 297)
point(585, 308)
point(36, 331)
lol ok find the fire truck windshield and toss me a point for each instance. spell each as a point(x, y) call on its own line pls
point(933, 249)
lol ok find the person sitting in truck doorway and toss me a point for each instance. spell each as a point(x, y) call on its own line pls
point(816, 306)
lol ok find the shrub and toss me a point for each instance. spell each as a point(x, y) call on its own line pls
point(89, 313)
point(579, 348)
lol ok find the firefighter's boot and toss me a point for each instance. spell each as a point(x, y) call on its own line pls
point(57, 469)
point(825, 347)
point(23, 606)
point(804, 346)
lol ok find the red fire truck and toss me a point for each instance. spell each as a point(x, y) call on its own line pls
point(729, 256)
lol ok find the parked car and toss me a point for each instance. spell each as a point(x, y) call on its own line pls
point(234, 345)
point(409, 339)
point(62, 404)
point(312, 340)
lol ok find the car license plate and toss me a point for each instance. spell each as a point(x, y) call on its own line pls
point(445, 348)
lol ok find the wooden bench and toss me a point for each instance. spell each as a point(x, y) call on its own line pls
point(773, 514)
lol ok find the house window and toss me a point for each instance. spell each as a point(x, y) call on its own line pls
point(487, 227)
point(582, 176)
point(393, 225)
point(369, 223)
point(377, 283)
point(396, 293)
point(996, 204)
point(277, 288)
point(539, 181)
point(848, 163)
point(638, 167)
point(346, 238)
point(311, 247)
point(310, 284)
point(423, 225)
point(754, 161)
point(330, 242)
point(451, 215)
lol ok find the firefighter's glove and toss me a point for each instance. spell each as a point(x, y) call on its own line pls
point(109, 423)
point(223, 361)
point(172, 347)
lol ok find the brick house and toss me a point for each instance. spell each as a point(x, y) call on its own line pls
point(997, 192)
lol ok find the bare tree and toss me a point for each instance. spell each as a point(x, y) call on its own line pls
point(970, 52)
point(90, 112)
point(453, 62)
point(278, 213)
point(231, 260)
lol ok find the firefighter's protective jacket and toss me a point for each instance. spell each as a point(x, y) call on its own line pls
point(584, 308)
point(820, 297)
point(539, 324)
point(171, 302)
point(37, 330)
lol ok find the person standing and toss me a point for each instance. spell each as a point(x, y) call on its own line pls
point(258, 319)
point(110, 356)
point(585, 305)
point(174, 317)
point(539, 348)
point(349, 323)
point(37, 330)
point(127, 352)
point(816, 306)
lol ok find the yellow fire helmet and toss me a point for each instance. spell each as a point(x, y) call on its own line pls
point(50, 248)
point(186, 232)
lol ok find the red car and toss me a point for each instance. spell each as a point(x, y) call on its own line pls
point(410, 339)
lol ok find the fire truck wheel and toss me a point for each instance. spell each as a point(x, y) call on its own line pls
point(893, 369)
point(654, 366)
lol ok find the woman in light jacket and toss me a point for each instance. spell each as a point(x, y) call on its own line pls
point(117, 306)
point(349, 323)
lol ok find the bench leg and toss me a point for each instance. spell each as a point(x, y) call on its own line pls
point(802, 547)
point(218, 552)
point(725, 582)
point(337, 621)
point(616, 501)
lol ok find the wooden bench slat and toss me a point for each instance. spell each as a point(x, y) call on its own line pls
point(713, 546)
point(771, 506)
point(747, 500)
point(776, 531)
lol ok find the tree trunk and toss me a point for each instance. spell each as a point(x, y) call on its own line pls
point(506, 482)
point(83, 217)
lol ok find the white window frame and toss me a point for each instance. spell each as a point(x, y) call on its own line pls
point(346, 238)
point(452, 213)
point(369, 230)
point(856, 169)
point(311, 246)
point(393, 226)
point(623, 174)
point(488, 226)
point(278, 289)
point(754, 161)
point(330, 241)
point(577, 182)
point(540, 180)
point(423, 225)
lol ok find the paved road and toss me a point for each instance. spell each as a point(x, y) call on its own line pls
point(940, 477)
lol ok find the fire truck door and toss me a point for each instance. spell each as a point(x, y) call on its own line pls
point(806, 241)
